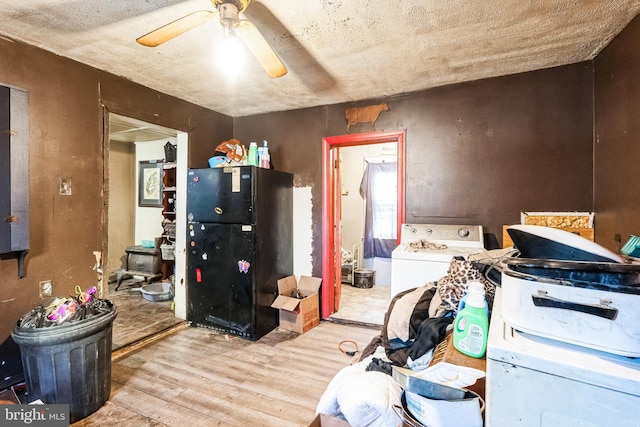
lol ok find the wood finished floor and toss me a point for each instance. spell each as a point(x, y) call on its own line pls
point(363, 305)
point(137, 318)
point(196, 377)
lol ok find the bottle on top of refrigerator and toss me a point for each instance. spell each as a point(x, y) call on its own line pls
point(253, 154)
point(265, 158)
point(260, 151)
point(471, 327)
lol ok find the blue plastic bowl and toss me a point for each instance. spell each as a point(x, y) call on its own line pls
point(217, 160)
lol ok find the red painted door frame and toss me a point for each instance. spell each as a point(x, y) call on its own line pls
point(336, 198)
point(328, 203)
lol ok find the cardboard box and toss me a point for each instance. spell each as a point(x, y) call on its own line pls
point(298, 315)
point(323, 420)
point(558, 219)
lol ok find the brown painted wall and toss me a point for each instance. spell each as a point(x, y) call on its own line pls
point(617, 138)
point(478, 152)
point(66, 142)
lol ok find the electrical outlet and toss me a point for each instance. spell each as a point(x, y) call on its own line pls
point(46, 289)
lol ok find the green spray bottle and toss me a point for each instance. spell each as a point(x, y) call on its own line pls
point(253, 154)
point(471, 327)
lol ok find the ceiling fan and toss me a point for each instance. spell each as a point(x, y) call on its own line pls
point(229, 11)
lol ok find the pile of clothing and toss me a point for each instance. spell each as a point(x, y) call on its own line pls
point(417, 320)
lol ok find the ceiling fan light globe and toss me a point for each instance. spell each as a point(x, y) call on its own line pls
point(230, 56)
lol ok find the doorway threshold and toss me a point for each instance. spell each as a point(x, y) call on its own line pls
point(340, 321)
point(143, 342)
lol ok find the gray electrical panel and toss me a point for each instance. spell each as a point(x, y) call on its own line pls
point(14, 175)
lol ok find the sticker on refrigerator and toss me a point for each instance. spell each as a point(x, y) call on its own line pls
point(235, 180)
point(243, 266)
point(246, 228)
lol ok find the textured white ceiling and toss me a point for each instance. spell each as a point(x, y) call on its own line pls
point(336, 50)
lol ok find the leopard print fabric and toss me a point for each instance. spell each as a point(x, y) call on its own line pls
point(453, 286)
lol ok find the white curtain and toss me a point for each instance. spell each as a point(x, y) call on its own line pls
point(379, 189)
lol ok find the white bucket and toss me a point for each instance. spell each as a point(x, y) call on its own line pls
point(157, 291)
point(446, 413)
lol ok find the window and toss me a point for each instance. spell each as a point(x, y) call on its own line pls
point(379, 189)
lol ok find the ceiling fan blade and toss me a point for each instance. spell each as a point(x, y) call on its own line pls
point(259, 47)
point(175, 28)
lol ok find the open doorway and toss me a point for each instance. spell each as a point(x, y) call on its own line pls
point(368, 230)
point(138, 237)
point(356, 278)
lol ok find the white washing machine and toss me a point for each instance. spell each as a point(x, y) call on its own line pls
point(537, 381)
point(413, 266)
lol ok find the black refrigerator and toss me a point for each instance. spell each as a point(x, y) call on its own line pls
point(239, 243)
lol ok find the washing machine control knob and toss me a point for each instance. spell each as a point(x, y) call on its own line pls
point(463, 232)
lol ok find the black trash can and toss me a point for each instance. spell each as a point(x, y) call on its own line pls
point(364, 278)
point(69, 364)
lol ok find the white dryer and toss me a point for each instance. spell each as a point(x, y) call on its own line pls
point(425, 252)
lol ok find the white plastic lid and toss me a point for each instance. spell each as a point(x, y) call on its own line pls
point(253, 144)
point(475, 295)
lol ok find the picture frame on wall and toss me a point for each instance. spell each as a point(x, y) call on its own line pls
point(150, 183)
